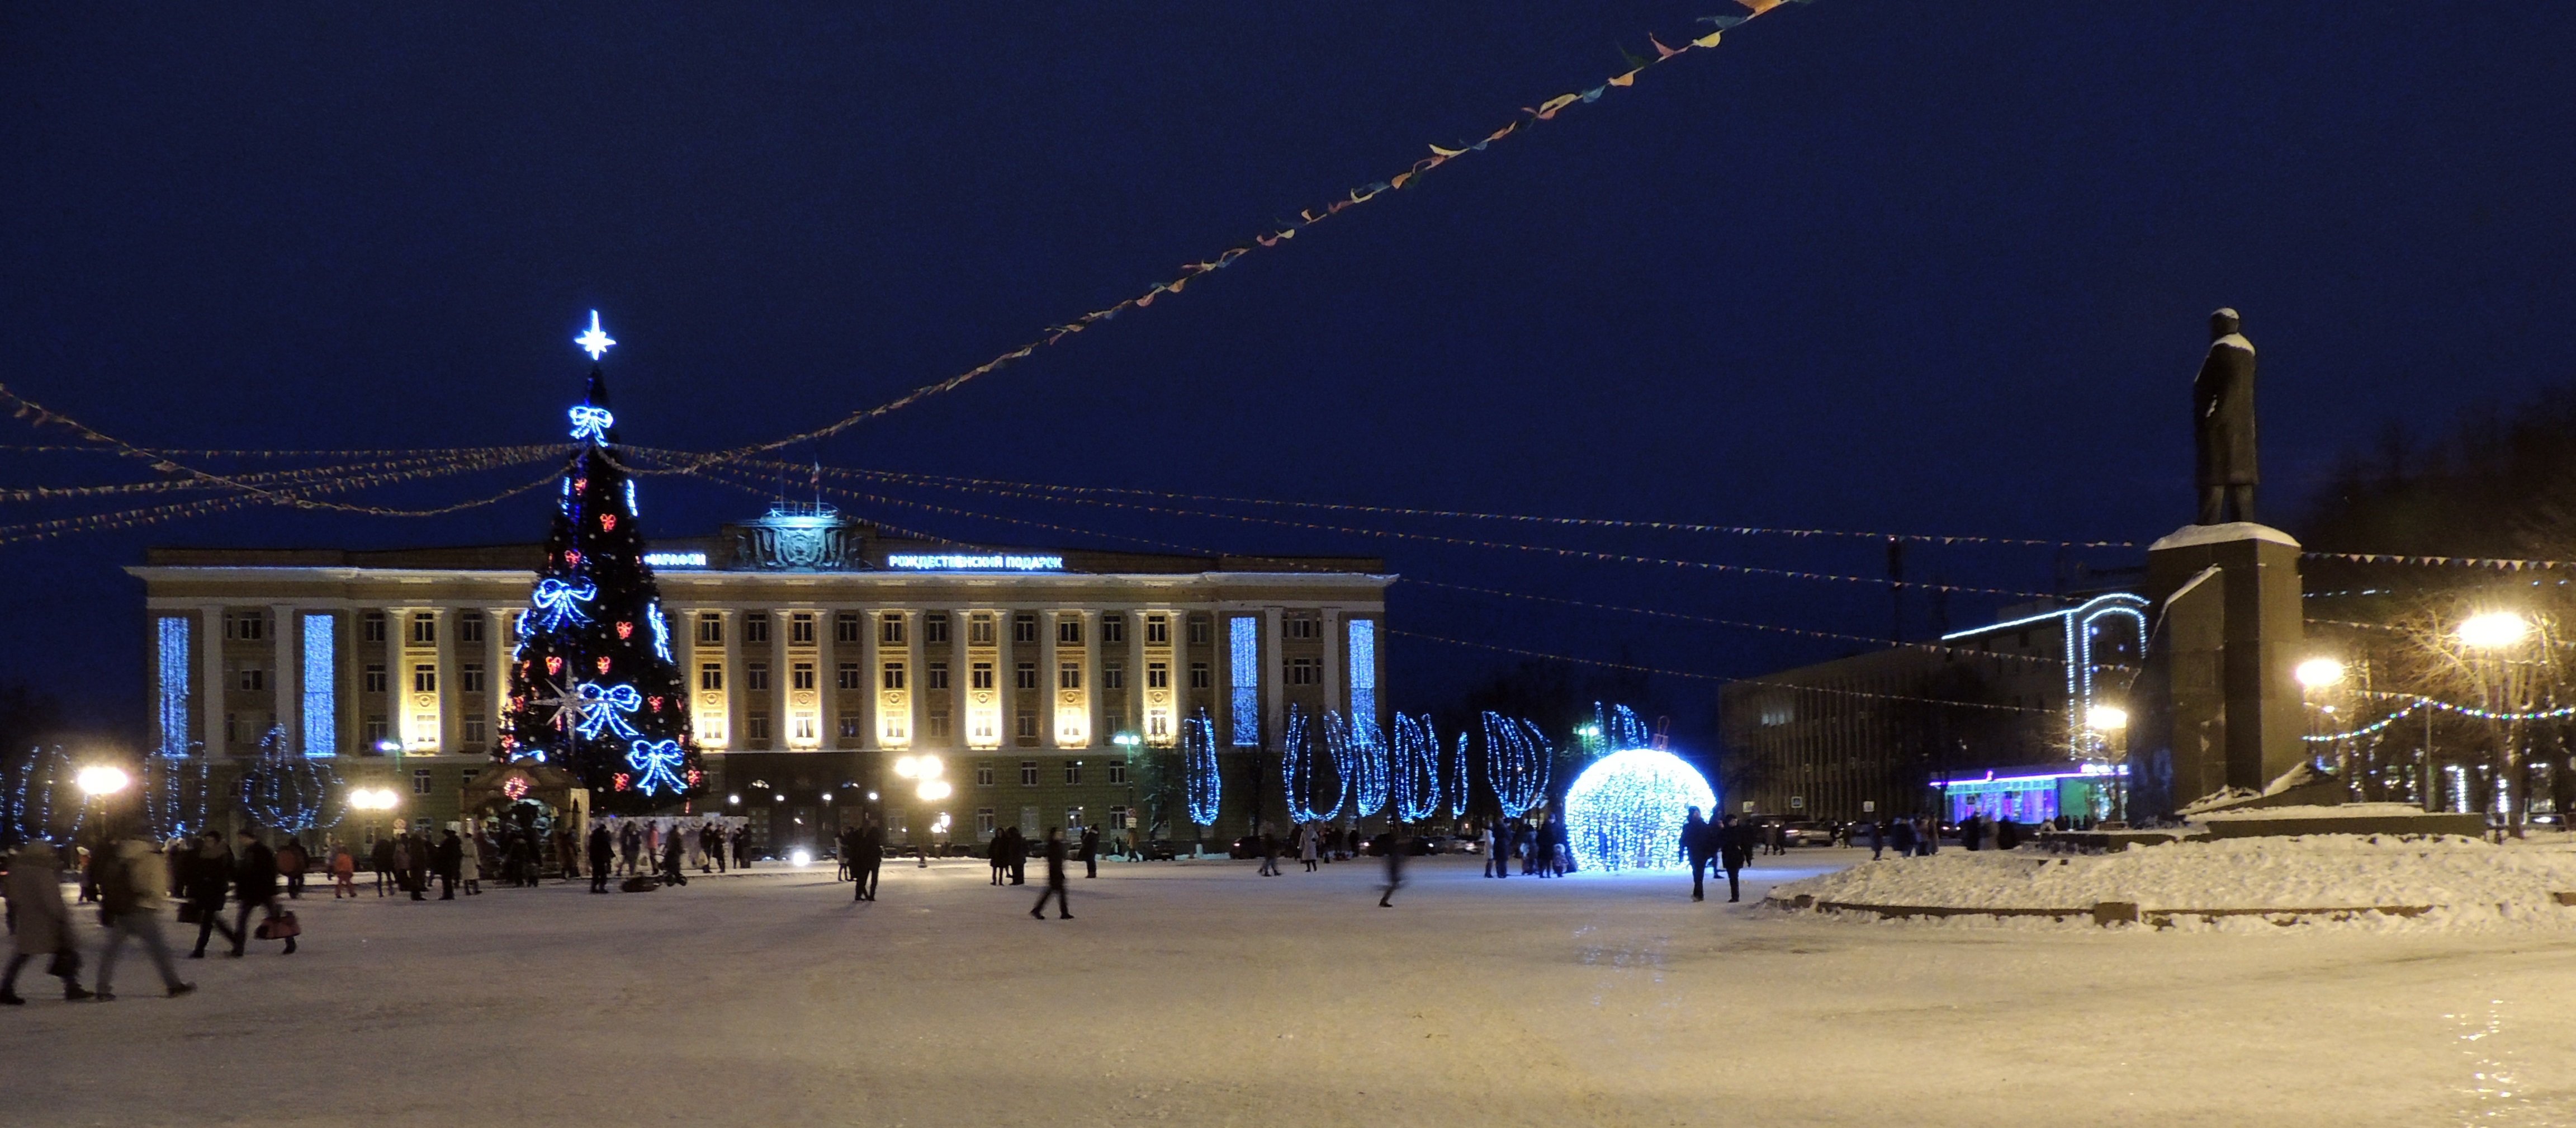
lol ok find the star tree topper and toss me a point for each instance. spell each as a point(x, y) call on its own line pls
point(594, 342)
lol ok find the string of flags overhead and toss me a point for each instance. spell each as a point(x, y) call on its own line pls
point(1458, 514)
point(1306, 218)
point(2489, 562)
point(1831, 691)
point(1436, 538)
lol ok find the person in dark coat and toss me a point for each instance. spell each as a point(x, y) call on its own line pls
point(207, 882)
point(1054, 878)
point(630, 843)
point(1735, 846)
point(1877, 838)
point(255, 886)
point(381, 859)
point(1971, 829)
point(603, 854)
point(450, 863)
point(864, 870)
point(671, 874)
point(741, 848)
point(420, 850)
point(1395, 849)
point(1091, 851)
point(1269, 853)
point(1696, 846)
point(1019, 856)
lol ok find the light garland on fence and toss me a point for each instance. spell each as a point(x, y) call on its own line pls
point(1204, 784)
point(1517, 756)
point(1192, 272)
point(1627, 810)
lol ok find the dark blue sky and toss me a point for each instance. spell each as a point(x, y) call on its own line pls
point(1869, 265)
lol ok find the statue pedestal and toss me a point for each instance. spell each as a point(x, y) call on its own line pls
point(2220, 707)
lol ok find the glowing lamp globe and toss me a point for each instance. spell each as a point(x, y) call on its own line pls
point(1626, 810)
point(2494, 629)
point(2319, 673)
point(102, 780)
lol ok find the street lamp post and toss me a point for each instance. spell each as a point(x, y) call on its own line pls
point(99, 781)
point(2495, 635)
point(2111, 724)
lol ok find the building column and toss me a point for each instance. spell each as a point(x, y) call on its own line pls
point(1274, 676)
point(212, 689)
point(1336, 659)
point(397, 684)
point(1047, 689)
point(733, 694)
point(500, 633)
point(443, 656)
point(287, 681)
point(872, 678)
point(827, 676)
point(782, 679)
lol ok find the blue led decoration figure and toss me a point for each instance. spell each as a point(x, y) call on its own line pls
point(1363, 636)
point(1626, 811)
point(1201, 781)
point(1456, 770)
point(592, 685)
point(173, 687)
point(175, 794)
point(288, 790)
point(1243, 676)
point(1297, 763)
point(1516, 763)
point(1359, 754)
point(1415, 769)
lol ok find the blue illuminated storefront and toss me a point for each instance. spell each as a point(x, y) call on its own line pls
point(2086, 792)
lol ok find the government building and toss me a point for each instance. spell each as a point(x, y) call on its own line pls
point(818, 653)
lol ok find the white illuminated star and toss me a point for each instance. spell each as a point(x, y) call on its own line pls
point(594, 342)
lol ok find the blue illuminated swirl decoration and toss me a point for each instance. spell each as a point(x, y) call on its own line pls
point(1198, 754)
point(601, 707)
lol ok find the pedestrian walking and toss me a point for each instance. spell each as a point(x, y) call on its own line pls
point(603, 848)
point(381, 859)
point(207, 882)
point(997, 854)
point(422, 852)
point(450, 864)
point(255, 886)
point(871, 858)
point(1735, 847)
point(1877, 838)
point(1055, 878)
point(292, 861)
point(1269, 854)
point(671, 874)
point(1695, 848)
point(629, 841)
point(1091, 851)
point(39, 923)
point(344, 871)
point(133, 886)
point(469, 865)
point(1395, 848)
point(1308, 847)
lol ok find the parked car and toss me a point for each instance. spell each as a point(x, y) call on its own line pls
point(1810, 834)
point(1161, 850)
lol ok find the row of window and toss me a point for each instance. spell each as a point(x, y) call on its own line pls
point(252, 626)
point(1073, 817)
point(984, 772)
point(892, 675)
point(372, 678)
point(981, 628)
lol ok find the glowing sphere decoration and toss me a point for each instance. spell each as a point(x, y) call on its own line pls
point(1626, 810)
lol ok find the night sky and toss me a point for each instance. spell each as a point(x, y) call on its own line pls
point(1869, 265)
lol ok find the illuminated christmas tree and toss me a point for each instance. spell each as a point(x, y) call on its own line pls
point(593, 688)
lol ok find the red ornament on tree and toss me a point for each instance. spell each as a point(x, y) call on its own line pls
point(603, 663)
point(625, 630)
point(608, 522)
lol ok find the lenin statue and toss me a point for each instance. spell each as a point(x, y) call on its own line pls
point(2222, 401)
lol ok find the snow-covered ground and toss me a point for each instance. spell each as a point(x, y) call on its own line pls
point(2464, 882)
point(1200, 994)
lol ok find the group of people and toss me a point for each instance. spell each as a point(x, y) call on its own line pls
point(1008, 856)
point(862, 853)
point(1541, 847)
point(411, 861)
point(662, 846)
point(1728, 843)
point(132, 879)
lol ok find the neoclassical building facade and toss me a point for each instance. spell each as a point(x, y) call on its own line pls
point(816, 650)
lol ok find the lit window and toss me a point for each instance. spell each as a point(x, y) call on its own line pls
point(804, 728)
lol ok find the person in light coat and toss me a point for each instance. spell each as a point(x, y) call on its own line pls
point(39, 923)
point(469, 865)
point(132, 892)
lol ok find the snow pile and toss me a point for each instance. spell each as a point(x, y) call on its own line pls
point(2285, 874)
point(2338, 811)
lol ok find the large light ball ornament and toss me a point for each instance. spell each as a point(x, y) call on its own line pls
point(1626, 810)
